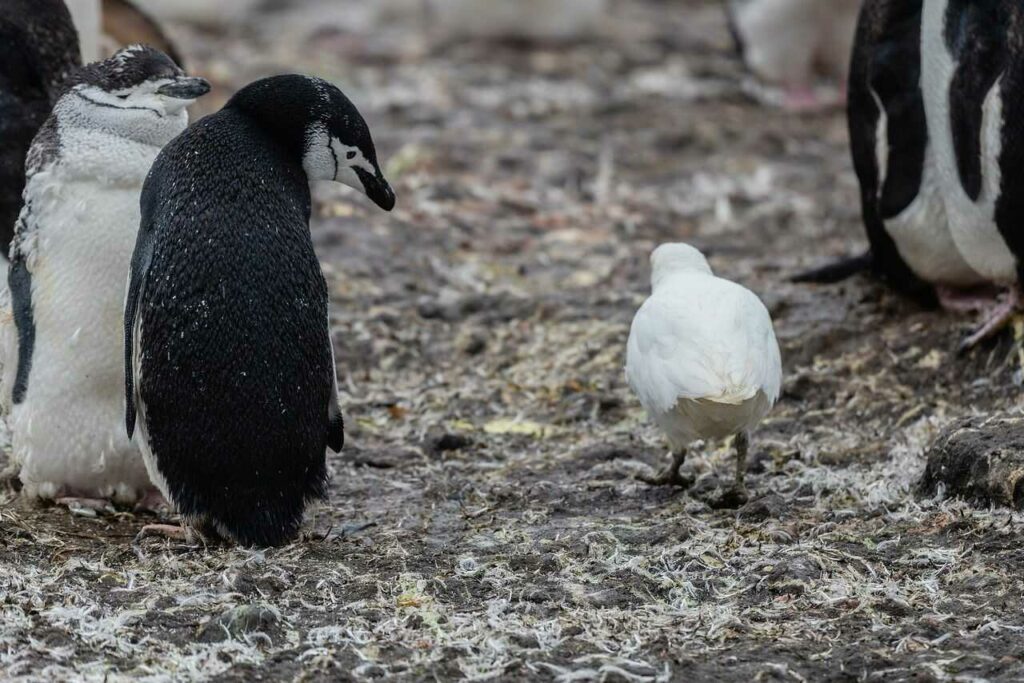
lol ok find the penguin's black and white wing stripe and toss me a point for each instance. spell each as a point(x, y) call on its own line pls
point(141, 259)
point(888, 130)
point(336, 428)
point(977, 38)
point(1010, 205)
point(43, 153)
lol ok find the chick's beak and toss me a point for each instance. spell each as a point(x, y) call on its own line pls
point(377, 189)
point(185, 88)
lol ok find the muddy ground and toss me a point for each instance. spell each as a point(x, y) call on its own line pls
point(484, 519)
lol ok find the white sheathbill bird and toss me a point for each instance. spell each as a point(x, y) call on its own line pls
point(702, 358)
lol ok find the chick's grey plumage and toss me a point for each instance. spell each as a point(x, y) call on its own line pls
point(62, 375)
point(229, 362)
point(38, 50)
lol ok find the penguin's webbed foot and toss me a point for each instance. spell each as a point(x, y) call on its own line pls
point(181, 533)
point(964, 301)
point(997, 320)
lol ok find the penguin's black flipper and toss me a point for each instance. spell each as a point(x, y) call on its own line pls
point(141, 259)
point(19, 280)
point(1010, 205)
point(884, 79)
point(837, 271)
point(976, 35)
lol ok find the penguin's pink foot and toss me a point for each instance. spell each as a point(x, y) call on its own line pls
point(168, 531)
point(86, 507)
point(962, 301)
point(995, 322)
point(802, 99)
point(154, 502)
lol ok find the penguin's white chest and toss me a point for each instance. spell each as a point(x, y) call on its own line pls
point(68, 432)
point(922, 234)
point(972, 222)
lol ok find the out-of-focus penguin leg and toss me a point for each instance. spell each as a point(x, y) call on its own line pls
point(672, 476)
point(154, 502)
point(803, 99)
point(87, 507)
point(997, 320)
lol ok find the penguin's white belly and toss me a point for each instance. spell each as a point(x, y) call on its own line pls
point(690, 420)
point(922, 236)
point(68, 433)
point(972, 223)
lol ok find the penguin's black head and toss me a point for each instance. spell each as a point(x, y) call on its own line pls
point(138, 88)
point(316, 122)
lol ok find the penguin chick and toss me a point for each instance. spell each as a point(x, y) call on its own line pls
point(62, 380)
point(702, 358)
point(790, 42)
point(536, 20)
point(228, 356)
point(38, 50)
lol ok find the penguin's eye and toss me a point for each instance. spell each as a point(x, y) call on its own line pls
point(350, 155)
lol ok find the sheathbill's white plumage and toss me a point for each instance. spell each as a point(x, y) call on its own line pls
point(702, 357)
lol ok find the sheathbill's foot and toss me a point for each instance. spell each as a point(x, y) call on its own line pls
point(671, 476)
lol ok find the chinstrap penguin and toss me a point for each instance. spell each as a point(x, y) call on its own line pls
point(703, 360)
point(63, 375)
point(791, 42)
point(972, 57)
point(902, 203)
point(38, 50)
point(231, 387)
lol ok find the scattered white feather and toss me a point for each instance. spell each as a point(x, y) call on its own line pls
point(702, 355)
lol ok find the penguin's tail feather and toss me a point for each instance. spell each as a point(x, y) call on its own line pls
point(257, 520)
point(837, 271)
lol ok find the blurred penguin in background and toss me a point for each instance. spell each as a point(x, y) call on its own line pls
point(219, 14)
point(791, 43)
point(105, 26)
point(38, 50)
point(529, 20)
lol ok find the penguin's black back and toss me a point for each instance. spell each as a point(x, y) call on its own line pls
point(886, 62)
point(236, 366)
point(38, 50)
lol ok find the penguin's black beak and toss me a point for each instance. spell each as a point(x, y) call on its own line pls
point(185, 88)
point(377, 189)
